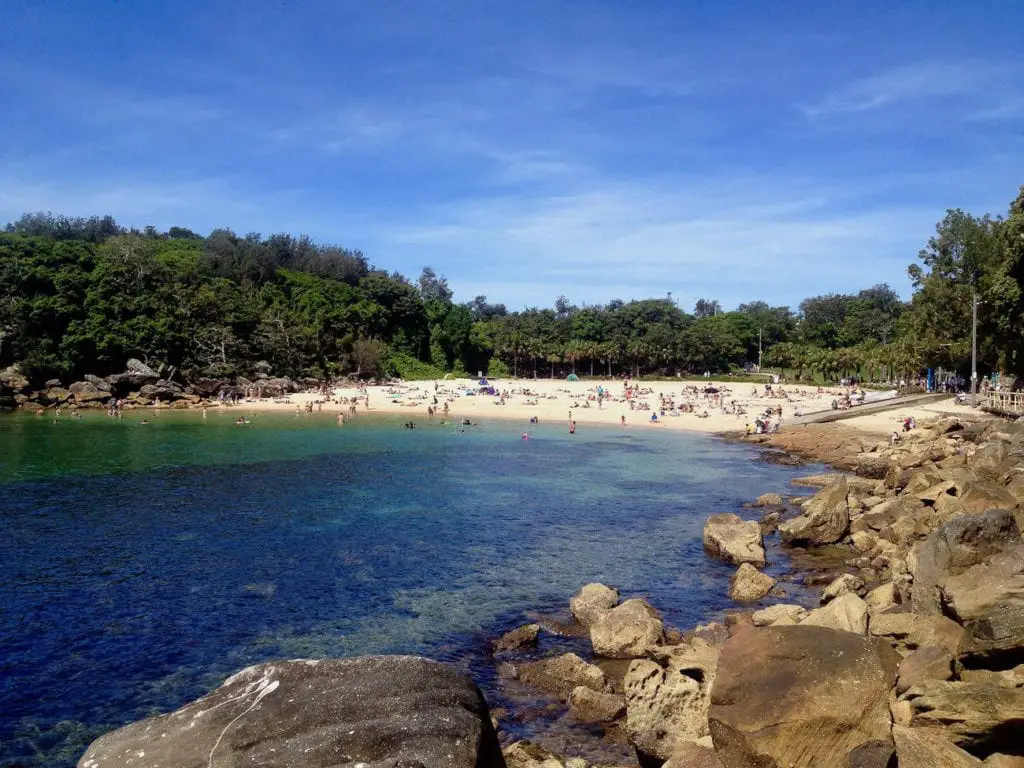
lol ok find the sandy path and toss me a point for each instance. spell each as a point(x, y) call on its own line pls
point(885, 422)
point(553, 401)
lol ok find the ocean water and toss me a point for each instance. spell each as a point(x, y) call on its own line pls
point(142, 564)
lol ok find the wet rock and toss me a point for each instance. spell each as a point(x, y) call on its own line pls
point(927, 663)
point(667, 702)
point(749, 584)
point(627, 631)
point(847, 584)
point(847, 613)
point(590, 706)
point(825, 519)
point(768, 500)
point(780, 614)
point(799, 696)
point(734, 540)
point(393, 710)
point(977, 717)
point(592, 602)
point(559, 675)
point(521, 637)
point(923, 749)
point(818, 481)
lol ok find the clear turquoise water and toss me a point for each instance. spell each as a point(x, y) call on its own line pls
point(140, 565)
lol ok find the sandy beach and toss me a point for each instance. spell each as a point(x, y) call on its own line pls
point(699, 406)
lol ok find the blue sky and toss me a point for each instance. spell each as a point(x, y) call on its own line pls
point(529, 149)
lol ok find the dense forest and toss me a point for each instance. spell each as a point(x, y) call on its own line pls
point(83, 296)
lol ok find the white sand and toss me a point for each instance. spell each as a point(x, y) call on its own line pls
point(553, 401)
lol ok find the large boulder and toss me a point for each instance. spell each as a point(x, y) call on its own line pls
point(590, 706)
point(559, 675)
point(667, 700)
point(628, 631)
point(847, 613)
point(988, 600)
point(138, 368)
point(734, 540)
point(377, 710)
point(749, 584)
point(779, 615)
point(909, 631)
point(951, 549)
point(927, 663)
point(919, 748)
point(825, 519)
point(979, 717)
point(96, 381)
point(160, 391)
point(86, 393)
point(12, 378)
point(799, 696)
point(207, 387)
point(592, 602)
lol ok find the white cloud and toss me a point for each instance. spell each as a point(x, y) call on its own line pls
point(914, 82)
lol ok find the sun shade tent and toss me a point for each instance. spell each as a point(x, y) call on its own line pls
point(572, 377)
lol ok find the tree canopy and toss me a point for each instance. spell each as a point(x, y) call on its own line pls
point(82, 295)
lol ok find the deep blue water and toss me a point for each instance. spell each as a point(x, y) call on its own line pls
point(140, 565)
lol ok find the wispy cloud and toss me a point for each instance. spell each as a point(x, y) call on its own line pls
point(913, 82)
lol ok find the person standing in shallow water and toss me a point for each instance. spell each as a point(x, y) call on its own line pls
point(572, 427)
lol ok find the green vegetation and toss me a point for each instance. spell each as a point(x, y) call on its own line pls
point(82, 296)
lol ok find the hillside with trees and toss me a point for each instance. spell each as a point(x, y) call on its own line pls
point(82, 296)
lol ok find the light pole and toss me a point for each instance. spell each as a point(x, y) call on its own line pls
point(974, 349)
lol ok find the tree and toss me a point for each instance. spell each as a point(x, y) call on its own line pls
point(434, 287)
point(706, 308)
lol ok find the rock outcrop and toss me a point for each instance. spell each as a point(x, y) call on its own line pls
point(667, 700)
point(397, 710)
point(749, 584)
point(592, 602)
point(628, 631)
point(799, 696)
point(825, 518)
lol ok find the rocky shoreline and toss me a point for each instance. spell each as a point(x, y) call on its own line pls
point(141, 386)
point(911, 656)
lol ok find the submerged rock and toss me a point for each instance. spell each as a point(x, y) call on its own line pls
point(378, 710)
point(521, 637)
point(559, 675)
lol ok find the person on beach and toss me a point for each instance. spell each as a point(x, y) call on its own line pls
point(622, 420)
point(572, 427)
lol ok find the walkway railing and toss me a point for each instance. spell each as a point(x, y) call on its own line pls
point(1004, 402)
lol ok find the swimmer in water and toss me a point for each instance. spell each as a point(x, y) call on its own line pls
point(526, 436)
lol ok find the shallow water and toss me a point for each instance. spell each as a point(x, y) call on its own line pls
point(140, 565)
